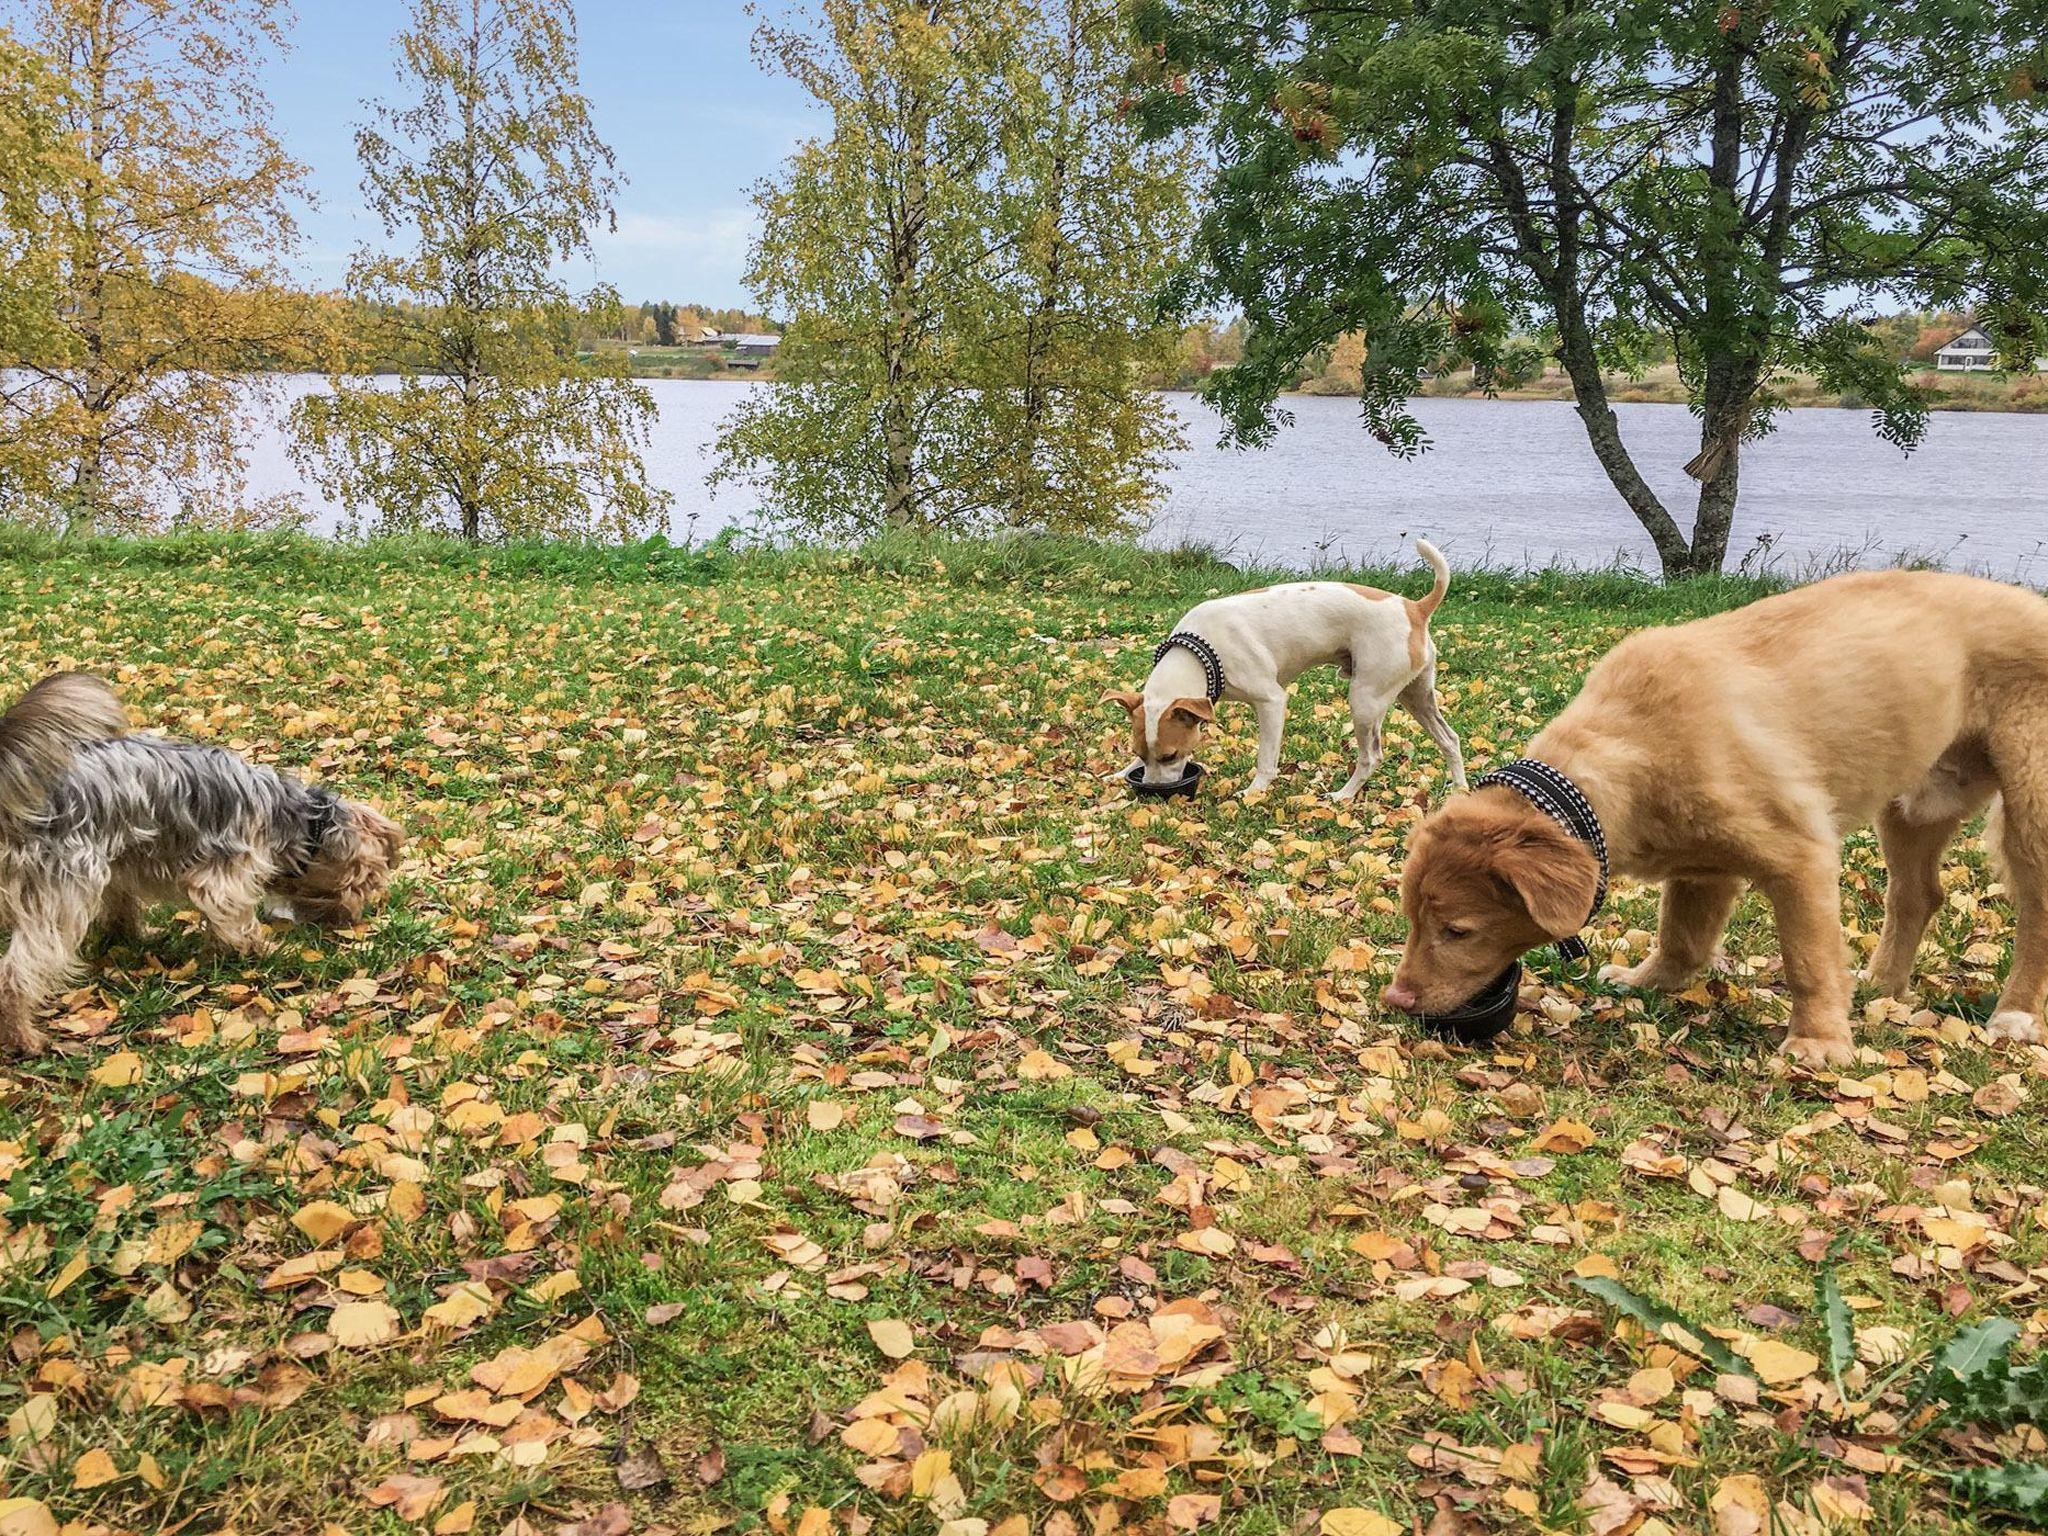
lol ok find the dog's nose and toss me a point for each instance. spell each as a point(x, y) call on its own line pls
point(1398, 994)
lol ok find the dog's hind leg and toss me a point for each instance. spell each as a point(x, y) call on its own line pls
point(49, 926)
point(1420, 700)
point(1912, 888)
point(1691, 917)
point(227, 896)
point(2018, 839)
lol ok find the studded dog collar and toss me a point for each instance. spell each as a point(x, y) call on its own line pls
point(1202, 651)
point(1562, 801)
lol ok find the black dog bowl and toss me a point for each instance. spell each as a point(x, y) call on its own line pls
point(1475, 1022)
point(1189, 781)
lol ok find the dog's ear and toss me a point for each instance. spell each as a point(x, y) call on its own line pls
point(1553, 872)
point(1192, 711)
point(380, 828)
point(1130, 701)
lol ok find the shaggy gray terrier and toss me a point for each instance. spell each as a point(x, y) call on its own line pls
point(96, 824)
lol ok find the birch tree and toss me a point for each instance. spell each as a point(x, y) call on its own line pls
point(161, 236)
point(487, 179)
point(966, 261)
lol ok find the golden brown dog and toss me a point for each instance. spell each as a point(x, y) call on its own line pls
point(1739, 750)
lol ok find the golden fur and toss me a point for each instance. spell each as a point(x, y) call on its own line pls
point(1739, 750)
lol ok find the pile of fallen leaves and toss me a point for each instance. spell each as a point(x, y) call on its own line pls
point(789, 1089)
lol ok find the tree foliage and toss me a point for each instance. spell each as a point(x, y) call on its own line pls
point(969, 261)
point(33, 166)
point(1741, 176)
point(150, 248)
point(493, 174)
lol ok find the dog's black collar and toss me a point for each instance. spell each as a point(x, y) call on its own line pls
point(1562, 801)
point(1202, 651)
point(323, 815)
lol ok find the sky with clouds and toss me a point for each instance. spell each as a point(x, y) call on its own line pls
point(675, 92)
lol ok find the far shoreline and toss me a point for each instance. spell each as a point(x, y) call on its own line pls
point(1980, 394)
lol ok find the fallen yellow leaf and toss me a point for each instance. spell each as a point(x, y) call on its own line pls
point(363, 1324)
point(1352, 1521)
point(892, 1337)
point(120, 1070)
point(1565, 1136)
point(1779, 1363)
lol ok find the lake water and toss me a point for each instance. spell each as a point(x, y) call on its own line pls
point(1504, 483)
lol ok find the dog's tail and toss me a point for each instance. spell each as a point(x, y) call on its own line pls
point(1442, 568)
point(46, 726)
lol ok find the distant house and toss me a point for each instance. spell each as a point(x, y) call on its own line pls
point(1974, 352)
point(738, 349)
point(750, 351)
point(1971, 352)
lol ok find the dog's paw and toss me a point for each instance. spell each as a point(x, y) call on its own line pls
point(1817, 1051)
point(1256, 787)
point(1881, 984)
point(1647, 977)
point(2011, 1024)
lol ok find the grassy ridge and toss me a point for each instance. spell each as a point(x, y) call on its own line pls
point(784, 1060)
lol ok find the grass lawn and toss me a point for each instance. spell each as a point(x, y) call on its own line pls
point(788, 1090)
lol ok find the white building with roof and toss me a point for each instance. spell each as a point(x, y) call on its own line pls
point(1974, 352)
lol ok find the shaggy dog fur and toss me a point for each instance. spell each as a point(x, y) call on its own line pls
point(1739, 750)
point(96, 824)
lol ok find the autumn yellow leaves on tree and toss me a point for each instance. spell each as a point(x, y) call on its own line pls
point(488, 179)
point(150, 212)
point(969, 259)
point(148, 226)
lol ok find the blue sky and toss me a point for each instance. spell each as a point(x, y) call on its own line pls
point(675, 92)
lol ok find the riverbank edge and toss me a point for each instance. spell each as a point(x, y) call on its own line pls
point(1110, 567)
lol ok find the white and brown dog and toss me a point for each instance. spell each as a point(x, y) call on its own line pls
point(1739, 750)
point(95, 824)
point(1252, 645)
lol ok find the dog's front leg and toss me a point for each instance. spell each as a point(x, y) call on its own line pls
point(1368, 714)
point(1806, 896)
point(1691, 917)
point(228, 900)
point(1272, 713)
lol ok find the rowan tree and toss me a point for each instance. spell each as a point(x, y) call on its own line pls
point(1750, 179)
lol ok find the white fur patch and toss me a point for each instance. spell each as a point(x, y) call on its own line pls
point(2011, 1024)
